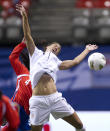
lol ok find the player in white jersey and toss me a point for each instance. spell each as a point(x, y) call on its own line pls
point(43, 67)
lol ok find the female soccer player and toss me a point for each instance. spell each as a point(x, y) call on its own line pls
point(43, 67)
point(9, 112)
point(23, 90)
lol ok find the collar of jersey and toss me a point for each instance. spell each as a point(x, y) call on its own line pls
point(50, 52)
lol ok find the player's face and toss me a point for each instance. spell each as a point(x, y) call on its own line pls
point(55, 48)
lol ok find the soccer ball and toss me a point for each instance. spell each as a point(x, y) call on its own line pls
point(96, 61)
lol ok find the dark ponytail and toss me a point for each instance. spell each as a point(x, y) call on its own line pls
point(42, 43)
point(0, 95)
point(25, 55)
point(25, 58)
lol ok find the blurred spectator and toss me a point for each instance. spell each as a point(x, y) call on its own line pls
point(6, 4)
point(15, 2)
point(7, 7)
point(25, 3)
point(4, 14)
point(93, 3)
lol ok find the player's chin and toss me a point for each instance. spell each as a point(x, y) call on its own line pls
point(56, 53)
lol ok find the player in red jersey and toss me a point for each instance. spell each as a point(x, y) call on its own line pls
point(23, 90)
point(9, 113)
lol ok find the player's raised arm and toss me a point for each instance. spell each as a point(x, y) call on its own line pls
point(26, 28)
point(70, 63)
point(18, 67)
point(16, 51)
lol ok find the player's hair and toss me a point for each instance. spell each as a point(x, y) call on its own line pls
point(0, 95)
point(42, 43)
point(45, 43)
point(25, 58)
point(25, 55)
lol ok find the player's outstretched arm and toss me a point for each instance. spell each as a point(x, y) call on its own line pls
point(18, 67)
point(70, 63)
point(26, 28)
point(17, 50)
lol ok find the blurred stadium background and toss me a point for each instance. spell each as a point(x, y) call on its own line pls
point(73, 23)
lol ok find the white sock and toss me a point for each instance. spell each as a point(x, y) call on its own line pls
point(83, 129)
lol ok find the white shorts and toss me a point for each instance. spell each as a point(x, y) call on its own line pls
point(42, 106)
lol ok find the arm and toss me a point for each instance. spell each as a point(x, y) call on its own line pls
point(70, 63)
point(16, 51)
point(18, 67)
point(27, 33)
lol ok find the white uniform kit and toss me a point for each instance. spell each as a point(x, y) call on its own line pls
point(42, 106)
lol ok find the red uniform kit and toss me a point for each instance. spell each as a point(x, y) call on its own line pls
point(9, 113)
point(23, 90)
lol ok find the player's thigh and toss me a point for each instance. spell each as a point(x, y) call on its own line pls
point(74, 120)
point(36, 128)
point(39, 111)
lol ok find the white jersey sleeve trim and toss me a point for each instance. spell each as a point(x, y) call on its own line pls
point(22, 75)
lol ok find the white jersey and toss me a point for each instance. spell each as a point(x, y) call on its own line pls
point(43, 62)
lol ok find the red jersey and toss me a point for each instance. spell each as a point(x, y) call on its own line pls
point(9, 112)
point(23, 90)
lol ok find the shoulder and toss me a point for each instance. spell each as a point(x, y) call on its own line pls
point(36, 52)
point(56, 58)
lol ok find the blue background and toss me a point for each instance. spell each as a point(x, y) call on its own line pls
point(85, 95)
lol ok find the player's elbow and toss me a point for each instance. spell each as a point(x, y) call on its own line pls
point(13, 58)
point(65, 67)
point(10, 58)
point(77, 62)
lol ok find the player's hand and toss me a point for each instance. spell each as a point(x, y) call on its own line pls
point(20, 8)
point(91, 47)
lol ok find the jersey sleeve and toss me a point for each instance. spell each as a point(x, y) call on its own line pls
point(59, 62)
point(36, 55)
point(36, 52)
point(18, 67)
